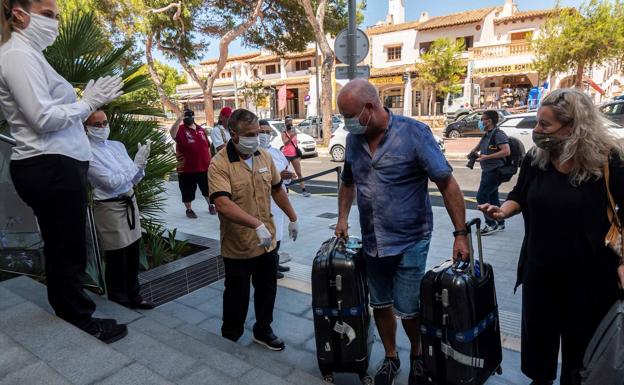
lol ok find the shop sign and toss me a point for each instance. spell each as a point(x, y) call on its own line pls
point(386, 80)
point(504, 69)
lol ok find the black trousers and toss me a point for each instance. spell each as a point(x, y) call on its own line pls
point(122, 274)
point(238, 274)
point(55, 187)
point(189, 182)
point(563, 308)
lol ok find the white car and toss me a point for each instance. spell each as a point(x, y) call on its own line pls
point(306, 143)
point(520, 127)
point(338, 143)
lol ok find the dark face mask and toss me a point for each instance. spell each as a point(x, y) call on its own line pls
point(547, 142)
point(289, 126)
point(189, 120)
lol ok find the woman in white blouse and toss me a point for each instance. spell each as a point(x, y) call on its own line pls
point(112, 174)
point(50, 160)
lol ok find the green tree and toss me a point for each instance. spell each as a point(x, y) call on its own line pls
point(77, 56)
point(576, 40)
point(441, 68)
point(170, 79)
point(255, 94)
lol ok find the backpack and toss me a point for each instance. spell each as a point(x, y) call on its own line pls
point(512, 161)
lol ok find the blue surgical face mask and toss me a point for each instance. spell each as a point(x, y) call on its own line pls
point(481, 125)
point(353, 125)
point(265, 140)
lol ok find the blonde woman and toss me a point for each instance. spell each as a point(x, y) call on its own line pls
point(569, 277)
point(51, 156)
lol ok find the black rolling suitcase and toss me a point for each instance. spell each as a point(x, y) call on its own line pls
point(460, 330)
point(342, 322)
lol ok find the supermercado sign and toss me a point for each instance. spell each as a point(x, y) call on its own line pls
point(386, 80)
point(504, 69)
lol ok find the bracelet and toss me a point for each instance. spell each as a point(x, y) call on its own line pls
point(460, 232)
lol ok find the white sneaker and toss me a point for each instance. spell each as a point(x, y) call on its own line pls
point(306, 194)
point(488, 230)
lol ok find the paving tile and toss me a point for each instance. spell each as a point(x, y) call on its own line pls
point(135, 374)
point(185, 313)
point(13, 357)
point(60, 345)
point(8, 298)
point(260, 377)
point(155, 355)
point(292, 301)
point(199, 296)
point(208, 376)
point(35, 374)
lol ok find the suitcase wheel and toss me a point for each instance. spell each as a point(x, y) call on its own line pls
point(328, 378)
point(367, 380)
point(499, 371)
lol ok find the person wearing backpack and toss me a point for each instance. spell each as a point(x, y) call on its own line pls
point(493, 150)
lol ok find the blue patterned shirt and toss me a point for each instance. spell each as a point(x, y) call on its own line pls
point(392, 194)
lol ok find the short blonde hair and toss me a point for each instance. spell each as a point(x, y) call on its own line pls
point(590, 143)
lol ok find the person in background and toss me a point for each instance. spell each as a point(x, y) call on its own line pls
point(112, 175)
point(281, 163)
point(569, 276)
point(193, 154)
point(51, 156)
point(220, 135)
point(492, 150)
point(292, 152)
point(243, 179)
point(389, 161)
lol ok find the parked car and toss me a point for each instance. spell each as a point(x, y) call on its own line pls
point(520, 127)
point(614, 111)
point(306, 143)
point(309, 125)
point(338, 143)
point(468, 125)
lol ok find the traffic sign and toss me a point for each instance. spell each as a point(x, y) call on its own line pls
point(306, 98)
point(361, 46)
point(362, 72)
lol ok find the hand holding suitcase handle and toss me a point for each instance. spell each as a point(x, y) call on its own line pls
point(461, 265)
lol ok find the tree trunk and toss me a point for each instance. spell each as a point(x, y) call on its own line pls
point(431, 92)
point(164, 99)
point(578, 83)
point(316, 21)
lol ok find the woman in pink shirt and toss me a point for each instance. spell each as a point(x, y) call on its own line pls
point(292, 152)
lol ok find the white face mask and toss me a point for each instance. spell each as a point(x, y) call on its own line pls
point(41, 31)
point(97, 133)
point(265, 140)
point(247, 145)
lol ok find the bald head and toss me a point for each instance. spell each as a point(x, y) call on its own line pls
point(357, 93)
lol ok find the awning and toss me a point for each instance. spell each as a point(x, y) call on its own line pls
point(595, 86)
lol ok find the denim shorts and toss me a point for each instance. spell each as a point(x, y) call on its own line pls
point(395, 281)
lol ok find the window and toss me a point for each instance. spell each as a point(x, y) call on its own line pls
point(255, 73)
point(612, 109)
point(394, 53)
point(303, 65)
point(467, 40)
point(424, 47)
point(271, 69)
point(517, 37)
point(529, 123)
point(226, 75)
point(394, 101)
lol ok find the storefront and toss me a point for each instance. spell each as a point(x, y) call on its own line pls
point(505, 86)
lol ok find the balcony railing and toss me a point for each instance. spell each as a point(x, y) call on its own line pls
point(501, 50)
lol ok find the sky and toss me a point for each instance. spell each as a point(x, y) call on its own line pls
point(377, 10)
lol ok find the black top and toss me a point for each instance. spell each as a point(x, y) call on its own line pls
point(565, 226)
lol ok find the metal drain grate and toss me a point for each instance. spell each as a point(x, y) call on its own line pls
point(328, 216)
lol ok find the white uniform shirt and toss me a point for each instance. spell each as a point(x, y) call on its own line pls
point(39, 105)
point(216, 138)
point(281, 163)
point(111, 171)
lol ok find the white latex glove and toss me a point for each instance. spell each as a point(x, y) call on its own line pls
point(140, 159)
point(293, 230)
point(264, 235)
point(102, 91)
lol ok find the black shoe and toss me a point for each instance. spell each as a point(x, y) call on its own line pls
point(270, 341)
point(144, 305)
point(191, 214)
point(279, 275)
point(387, 371)
point(417, 374)
point(282, 268)
point(106, 330)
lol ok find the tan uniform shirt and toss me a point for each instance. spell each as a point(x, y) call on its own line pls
point(230, 176)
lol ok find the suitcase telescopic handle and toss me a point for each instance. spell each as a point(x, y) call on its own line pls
point(476, 222)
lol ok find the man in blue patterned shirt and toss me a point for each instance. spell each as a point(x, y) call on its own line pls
point(390, 159)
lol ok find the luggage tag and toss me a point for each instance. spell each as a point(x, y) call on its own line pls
point(344, 328)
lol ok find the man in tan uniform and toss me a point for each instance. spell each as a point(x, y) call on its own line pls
point(242, 181)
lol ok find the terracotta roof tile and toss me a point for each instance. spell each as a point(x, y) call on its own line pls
point(467, 17)
point(233, 58)
point(378, 30)
point(521, 16)
point(392, 71)
point(288, 56)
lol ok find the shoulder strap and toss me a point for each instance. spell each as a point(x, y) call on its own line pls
point(611, 212)
point(221, 130)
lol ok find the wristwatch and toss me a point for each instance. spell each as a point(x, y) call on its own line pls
point(460, 232)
